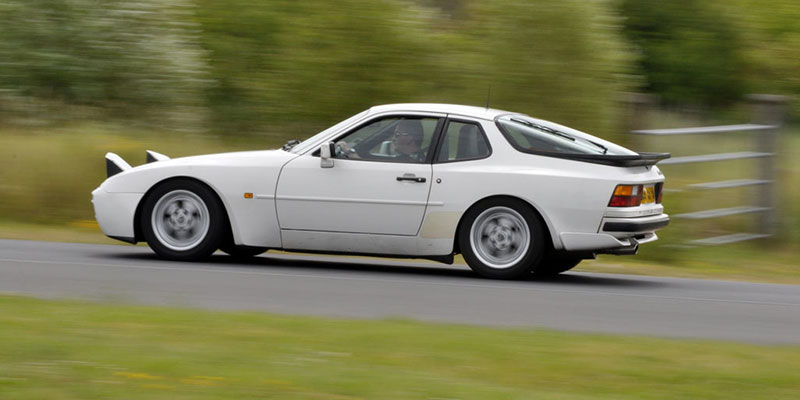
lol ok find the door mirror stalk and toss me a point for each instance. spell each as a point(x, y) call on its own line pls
point(326, 152)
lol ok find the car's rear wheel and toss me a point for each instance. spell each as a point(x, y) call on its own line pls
point(502, 239)
point(182, 220)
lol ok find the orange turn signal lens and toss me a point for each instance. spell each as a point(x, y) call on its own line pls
point(626, 190)
point(248, 195)
point(626, 196)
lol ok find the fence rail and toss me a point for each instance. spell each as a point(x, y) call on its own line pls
point(769, 113)
point(706, 129)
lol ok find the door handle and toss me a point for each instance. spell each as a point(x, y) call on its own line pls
point(411, 178)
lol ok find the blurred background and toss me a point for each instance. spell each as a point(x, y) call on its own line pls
point(79, 78)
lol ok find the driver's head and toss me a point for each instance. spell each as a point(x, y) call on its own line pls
point(407, 136)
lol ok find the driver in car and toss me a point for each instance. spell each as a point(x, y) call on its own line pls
point(407, 140)
point(405, 146)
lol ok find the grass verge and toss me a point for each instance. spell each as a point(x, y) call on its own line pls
point(72, 350)
point(83, 231)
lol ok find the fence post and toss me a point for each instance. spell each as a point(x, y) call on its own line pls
point(768, 110)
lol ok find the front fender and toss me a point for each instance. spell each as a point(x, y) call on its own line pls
point(253, 219)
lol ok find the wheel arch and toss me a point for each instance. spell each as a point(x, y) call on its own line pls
point(553, 236)
point(137, 226)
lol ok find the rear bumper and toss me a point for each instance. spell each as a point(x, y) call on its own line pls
point(597, 242)
point(635, 225)
point(616, 235)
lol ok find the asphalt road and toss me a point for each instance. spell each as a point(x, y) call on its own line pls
point(369, 288)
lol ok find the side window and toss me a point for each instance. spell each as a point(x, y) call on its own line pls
point(463, 141)
point(393, 139)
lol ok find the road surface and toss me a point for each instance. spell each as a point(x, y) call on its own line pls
point(372, 288)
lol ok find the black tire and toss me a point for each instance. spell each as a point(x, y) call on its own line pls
point(502, 238)
point(242, 252)
point(189, 220)
point(554, 265)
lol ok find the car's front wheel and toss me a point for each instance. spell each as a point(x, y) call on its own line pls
point(242, 252)
point(182, 220)
point(502, 239)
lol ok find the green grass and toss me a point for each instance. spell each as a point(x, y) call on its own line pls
point(71, 350)
point(85, 231)
point(747, 261)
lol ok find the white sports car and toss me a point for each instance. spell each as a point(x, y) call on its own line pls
point(514, 194)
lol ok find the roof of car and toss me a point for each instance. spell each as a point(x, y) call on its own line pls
point(471, 111)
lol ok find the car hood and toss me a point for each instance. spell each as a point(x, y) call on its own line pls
point(238, 158)
point(205, 167)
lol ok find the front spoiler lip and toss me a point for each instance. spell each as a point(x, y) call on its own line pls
point(124, 239)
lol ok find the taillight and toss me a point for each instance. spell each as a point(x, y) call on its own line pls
point(659, 192)
point(626, 196)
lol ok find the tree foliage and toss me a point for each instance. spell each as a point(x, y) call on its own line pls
point(561, 60)
point(771, 45)
point(284, 61)
point(689, 52)
point(132, 58)
point(270, 65)
point(280, 61)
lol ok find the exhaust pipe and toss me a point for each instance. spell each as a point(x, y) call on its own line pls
point(623, 251)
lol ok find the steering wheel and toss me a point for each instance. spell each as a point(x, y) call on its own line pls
point(343, 150)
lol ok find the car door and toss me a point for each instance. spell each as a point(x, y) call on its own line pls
point(371, 189)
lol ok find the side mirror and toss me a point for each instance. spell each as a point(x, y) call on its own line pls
point(326, 150)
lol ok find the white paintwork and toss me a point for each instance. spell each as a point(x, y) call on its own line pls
point(230, 175)
point(114, 212)
point(632, 212)
point(116, 159)
point(623, 235)
point(354, 196)
point(358, 206)
point(325, 160)
point(157, 156)
point(357, 243)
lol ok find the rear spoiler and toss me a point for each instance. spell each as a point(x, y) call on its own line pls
point(634, 160)
point(115, 164)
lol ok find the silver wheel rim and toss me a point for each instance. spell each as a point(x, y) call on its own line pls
point(180, 220)
point(500, 237)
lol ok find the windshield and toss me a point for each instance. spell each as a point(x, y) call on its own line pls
point(537, 136)
point(312, 141)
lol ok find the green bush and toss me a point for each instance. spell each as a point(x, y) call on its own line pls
point(690, 52)
point(771, 38)
point(281, 61)
point(559, 60)
point(138, 60)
